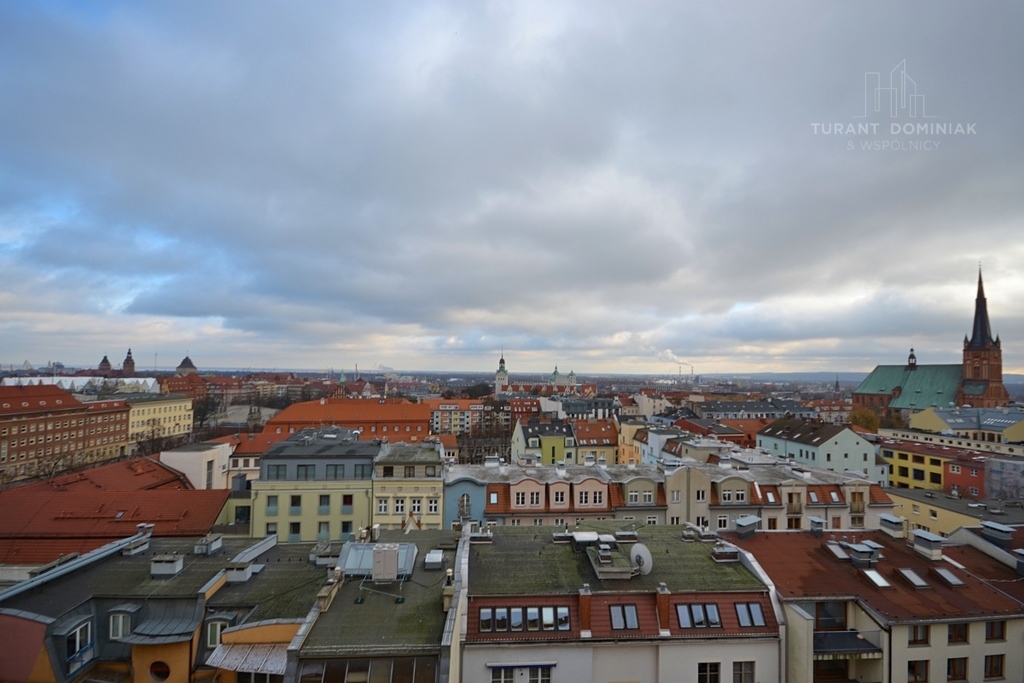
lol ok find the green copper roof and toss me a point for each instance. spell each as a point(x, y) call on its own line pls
point(920, 387)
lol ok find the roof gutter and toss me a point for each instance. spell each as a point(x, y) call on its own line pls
point(74, 565)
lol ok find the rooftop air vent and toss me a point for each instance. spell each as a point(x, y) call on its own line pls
point(208, 545)
point(723, 552)
point(164, 566)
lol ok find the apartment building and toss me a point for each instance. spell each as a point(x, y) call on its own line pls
point(890, 607)
point(160, 418)
point(315, 485)
point(45, 430)
point(601, 604)
point(531, 495)
point(774, 496)
point(547, 440)
point(822, 445)
point(408, 487)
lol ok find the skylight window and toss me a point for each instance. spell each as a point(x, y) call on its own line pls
point(948, 577)
point(835, 496)
point(623, 617)
point(771, 496)
point(813, 496)
point(750, 614)
point(913, 578)
point(876, 578)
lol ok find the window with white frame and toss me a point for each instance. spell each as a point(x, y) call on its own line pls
point(598, 497)
point(416, 506)
point(634, 497)
point(648, 497)
point(584, 498)
point(701, 495)
point(432, 504)
point(723, 521)
point(214, 629)
point(534, 497)
point(560, 497)
point(675, 496)
point(120, 625)
point(399, 506)
point(382, 506)
point(520, 498)
point(80, 647)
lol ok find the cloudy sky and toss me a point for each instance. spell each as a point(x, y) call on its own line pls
point(606, 186)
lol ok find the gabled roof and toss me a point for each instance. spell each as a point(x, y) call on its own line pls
point(15, 400)
point(801, 568)
point(136, 474)
point(338, 410)
point(803, 431)
point(252, 443)
point(31, 513)
point(920, 386)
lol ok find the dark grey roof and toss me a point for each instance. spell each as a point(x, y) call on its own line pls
point(527, 561)
point(381, 624)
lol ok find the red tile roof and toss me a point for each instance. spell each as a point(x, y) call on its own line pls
point(32, 513)
point(802, 568)
point(136, 474)
point(251, 444)
point(30, 399)
point(350, 411)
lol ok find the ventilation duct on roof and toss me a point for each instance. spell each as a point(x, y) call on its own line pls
point(166, 566)
point(208, 545)
point(891, 525)
point(997, 534)
point(928, 544)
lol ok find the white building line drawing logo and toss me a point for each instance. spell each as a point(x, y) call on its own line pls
point(901, 95)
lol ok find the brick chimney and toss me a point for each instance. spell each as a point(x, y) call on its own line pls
point(585, 598)
point(664, 609)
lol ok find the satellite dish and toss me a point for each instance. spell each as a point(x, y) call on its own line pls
point(640, 555)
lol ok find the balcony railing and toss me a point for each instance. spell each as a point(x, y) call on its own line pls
point(848, 644)
point(857, 508)
point(794, 509)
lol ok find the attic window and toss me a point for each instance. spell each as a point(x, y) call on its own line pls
point(835, 496)
point(813, 496)
point(876, 578)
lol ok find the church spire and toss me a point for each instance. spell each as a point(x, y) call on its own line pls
point(981, 333)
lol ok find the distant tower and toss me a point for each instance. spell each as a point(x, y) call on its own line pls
point(104, 367)
point(501, 376)
point(554, 377)
point(128, 366)
point(572, 381)
point(982, 385)
point(186, 367)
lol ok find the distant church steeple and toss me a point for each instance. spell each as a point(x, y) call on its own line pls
point(982, 385)
point(981, 333)
point(501, 376)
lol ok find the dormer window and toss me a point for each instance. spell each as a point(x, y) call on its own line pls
point(214, 630)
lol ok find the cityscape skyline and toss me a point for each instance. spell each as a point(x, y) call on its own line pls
point(653, 189)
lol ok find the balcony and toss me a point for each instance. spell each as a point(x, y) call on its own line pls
point(346, 509)
point(794, 509)
point(271, 511)
point(849, 644)
point(857, 508)
point(295, 510)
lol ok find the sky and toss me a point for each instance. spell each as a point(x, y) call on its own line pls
point(609, 187)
